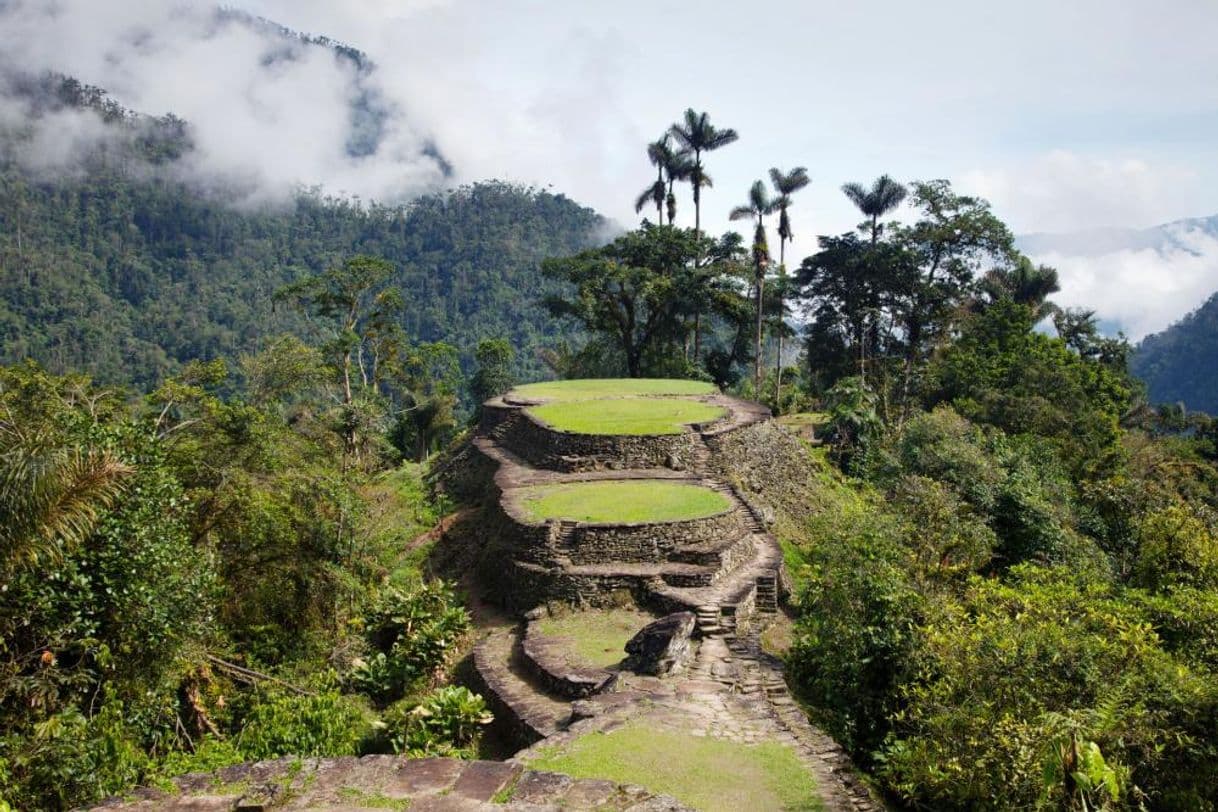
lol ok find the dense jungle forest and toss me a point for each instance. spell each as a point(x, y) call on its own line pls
point(216, 426)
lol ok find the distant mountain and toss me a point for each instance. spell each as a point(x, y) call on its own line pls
point(1175, 236)
point(120, 269)
point(1180, 364)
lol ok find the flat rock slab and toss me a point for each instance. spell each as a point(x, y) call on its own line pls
point(374, 782)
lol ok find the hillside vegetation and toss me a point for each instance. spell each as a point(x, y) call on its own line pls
point(1176, 364)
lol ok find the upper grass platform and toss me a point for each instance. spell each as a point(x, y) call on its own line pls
point(626, 415)
point(592, 388)
point(621, 501)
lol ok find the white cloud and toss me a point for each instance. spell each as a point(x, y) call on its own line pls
point(1067, 191)
point(1144, 290)
point(267, 113)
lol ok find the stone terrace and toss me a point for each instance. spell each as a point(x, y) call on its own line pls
point(726, 569)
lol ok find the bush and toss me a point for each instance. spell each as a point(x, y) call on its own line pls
point(853, 640)
point(1048, 691)
point(447, 722)
point(412, 635)
point(324, 724)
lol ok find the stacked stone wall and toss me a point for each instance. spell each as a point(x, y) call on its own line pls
point(545, 447)
point(655, 542)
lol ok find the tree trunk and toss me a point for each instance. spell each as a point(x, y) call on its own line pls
point(760, 314)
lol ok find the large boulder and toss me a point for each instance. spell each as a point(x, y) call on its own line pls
point(663, 646)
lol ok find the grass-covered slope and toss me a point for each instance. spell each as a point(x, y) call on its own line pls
point(588, 388)
point(643, 500)
point(638, 416)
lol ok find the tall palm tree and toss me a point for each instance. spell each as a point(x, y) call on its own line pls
point(757, 208)
point(884, 195)
point(785, 184)
point(660, 154)
point(697, 135)
point(678, 166)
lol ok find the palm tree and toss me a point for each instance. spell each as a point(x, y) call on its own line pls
point(51, 497)
point(757, 208)
point(697, 135)
point(785, 185)
point(678, 166)
point(1025, 284)
point(884, 195)
point(660, 155)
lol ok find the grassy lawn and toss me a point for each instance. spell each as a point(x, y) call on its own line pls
point(596, 639)
point(611, 388)
point(641, 500)
point(626, 415)
point(704, 773)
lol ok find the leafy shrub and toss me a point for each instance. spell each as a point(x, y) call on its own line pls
point(859, 611)
point(280, 723)
point(411, 634)
point(71, 759)
point(446, 722)
point(1048, 691)
point(1177, 547)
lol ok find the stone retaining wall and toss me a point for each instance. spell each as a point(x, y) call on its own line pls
point(545, 447)
point(656, 541)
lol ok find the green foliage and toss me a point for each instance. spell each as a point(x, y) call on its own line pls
point(127, 277)
point(493, 372)
point(280, 723)
point(641, 297)
point(446, 722)
point(1177, 548)
point(1004, 374)
point(1048, 690)
point(854, 638)
point(411, 635)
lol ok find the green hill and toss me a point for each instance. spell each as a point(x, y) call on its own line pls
point(119, 269)
point(1178, 364)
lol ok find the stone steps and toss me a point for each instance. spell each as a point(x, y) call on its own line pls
point(520, 705)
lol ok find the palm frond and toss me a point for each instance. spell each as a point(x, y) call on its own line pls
point(742, 213)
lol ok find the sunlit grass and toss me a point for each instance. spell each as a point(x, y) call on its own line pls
point(595, 638)
point(642, 500)
point(611, 388)
point(704, 773)
point(642, 416)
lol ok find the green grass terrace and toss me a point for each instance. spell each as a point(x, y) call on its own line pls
point(593, 388)
point(620, 501)
point(629, 415)
point(704, 773)
point(595, 638)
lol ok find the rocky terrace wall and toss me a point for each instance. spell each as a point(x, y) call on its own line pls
point(654, 542)
point(545, 447)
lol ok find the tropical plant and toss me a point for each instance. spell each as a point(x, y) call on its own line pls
point(697, 135)
point(756, 209)
point(785, 184)
point(446, 722)
point(1025, 284)
point(884, 195)
point(654, 194)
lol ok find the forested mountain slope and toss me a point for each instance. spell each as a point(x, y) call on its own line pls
point(117, 267)
point(1178, 364)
